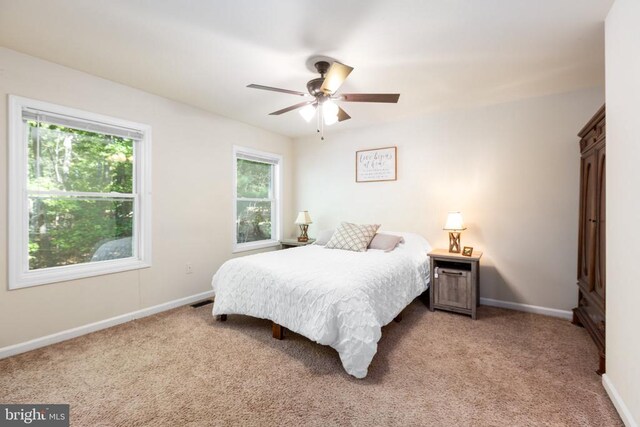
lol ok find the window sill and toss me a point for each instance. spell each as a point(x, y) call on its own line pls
point(73, 272)
point(245, 247)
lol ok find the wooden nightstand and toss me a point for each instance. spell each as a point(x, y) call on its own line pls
point(292, 243)
point(455, 281)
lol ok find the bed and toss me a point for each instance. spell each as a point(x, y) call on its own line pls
point(334, 297)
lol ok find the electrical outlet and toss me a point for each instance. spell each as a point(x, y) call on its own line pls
point(188, 269)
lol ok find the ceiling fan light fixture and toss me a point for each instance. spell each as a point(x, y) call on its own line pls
point(330, 112)
point(308, 112)
point(329, 120)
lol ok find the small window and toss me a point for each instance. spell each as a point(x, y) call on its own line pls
point(79, 194)
point(257, 199)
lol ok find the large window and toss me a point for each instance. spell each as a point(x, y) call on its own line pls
point(257, 199)
point(79, 194)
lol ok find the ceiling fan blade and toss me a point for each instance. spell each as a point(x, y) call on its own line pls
point(276, 89)
point(293, 107)
point(370, 97)
point(336, 75)
point(342, 115)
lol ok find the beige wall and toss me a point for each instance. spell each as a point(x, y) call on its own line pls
point(511, 169)
point(623, 202)
point(192, 199)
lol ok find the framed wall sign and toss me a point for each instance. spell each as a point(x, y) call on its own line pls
point(378, 164)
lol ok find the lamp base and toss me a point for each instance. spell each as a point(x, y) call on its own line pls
point(454, 242)
point(303, 233)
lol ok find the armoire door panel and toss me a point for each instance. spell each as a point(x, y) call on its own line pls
point(588, 211)
point(600, 262)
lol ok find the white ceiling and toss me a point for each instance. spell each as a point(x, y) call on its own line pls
point(439, 54)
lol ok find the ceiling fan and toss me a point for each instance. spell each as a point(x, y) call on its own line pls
point(322, 96)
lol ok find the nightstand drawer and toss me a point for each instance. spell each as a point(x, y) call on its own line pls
point(453, 288)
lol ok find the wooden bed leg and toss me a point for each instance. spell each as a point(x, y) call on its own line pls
point(278, 331)
point(221, 317)
point(398, 318)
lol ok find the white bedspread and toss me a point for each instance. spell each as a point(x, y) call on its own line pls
point(334, 297)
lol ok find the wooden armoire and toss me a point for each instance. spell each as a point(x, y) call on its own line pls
point(590, 311)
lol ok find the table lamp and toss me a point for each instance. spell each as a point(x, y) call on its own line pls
point(454, 226)
point(303, 221)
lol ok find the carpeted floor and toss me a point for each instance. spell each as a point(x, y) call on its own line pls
point(181, 368)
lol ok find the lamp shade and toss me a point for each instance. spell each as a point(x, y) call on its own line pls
point(454, 222)
point(308, 112)
point(303, 218)
point(330, 112)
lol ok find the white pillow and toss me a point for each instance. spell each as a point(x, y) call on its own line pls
point(385, 242)
point(413, 242)
point(352, 237)
point(323, 237)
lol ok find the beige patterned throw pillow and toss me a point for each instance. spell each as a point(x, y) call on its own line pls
point(352, 237)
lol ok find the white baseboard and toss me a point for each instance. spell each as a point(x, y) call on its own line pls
point(622, 409)
point(554, 312)
point(96, 326)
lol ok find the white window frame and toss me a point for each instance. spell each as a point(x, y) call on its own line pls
point(276, 217)
point(19, 274)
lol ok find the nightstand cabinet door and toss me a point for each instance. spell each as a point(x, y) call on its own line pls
point(453, 288)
